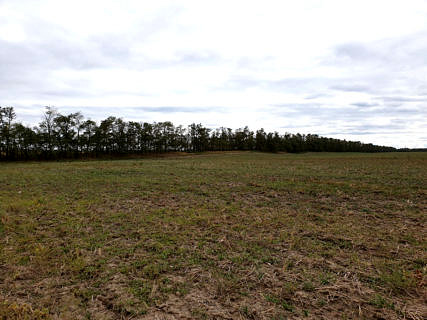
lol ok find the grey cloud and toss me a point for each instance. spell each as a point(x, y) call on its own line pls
point(147, 109)
point(421, 90)
point(392, 127)
point(26, 68)
point(183, 58)
point(187, 58)
point(316, 96)
point(51, 47)
point(180, 109)
point(352, 88)
point(322, 113)
point(396, 54)
point(360, 133)
point(291, 85)
point(32, 114)
point(241, 83)
point(387, 69)
point(364, 104)
point(402, 99)
point(297, 107)
point(356, 51)
point(323, 86)
point(160, 109)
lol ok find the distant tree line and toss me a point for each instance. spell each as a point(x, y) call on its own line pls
point(61, 136)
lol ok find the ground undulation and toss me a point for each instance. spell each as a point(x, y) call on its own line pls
point(241, 235)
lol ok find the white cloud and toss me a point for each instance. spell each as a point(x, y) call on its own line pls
point(327, 62)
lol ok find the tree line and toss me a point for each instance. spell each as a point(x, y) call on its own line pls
point(61, 136)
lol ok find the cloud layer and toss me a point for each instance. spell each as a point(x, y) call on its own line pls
point(355, 70)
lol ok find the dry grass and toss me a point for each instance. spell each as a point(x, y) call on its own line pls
point(215, 236)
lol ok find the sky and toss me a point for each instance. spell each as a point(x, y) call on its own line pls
point(354, 70)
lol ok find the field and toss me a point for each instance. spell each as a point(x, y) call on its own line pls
point(240, 235)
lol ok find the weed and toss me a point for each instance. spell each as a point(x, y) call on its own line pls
point(284, 303)
point(397, 280)
point(381, 302)
point(308, 286)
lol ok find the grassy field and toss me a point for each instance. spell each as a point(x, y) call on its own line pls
point(216, 236)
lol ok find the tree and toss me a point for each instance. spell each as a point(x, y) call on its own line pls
point(133, 140)
point(7, 116)
point(78, 122)
point(2, 143)
point(24, 141)
point(64, 133)
point(147, 137)
point(89, 130)
point(105, 135)
point(69, 135)
point(199, 137)
point(47, 129)
point(261, 140)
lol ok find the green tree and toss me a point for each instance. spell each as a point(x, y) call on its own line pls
point(8, 115)
point(47, 130)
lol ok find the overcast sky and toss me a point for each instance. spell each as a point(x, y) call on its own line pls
point(346, 69)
